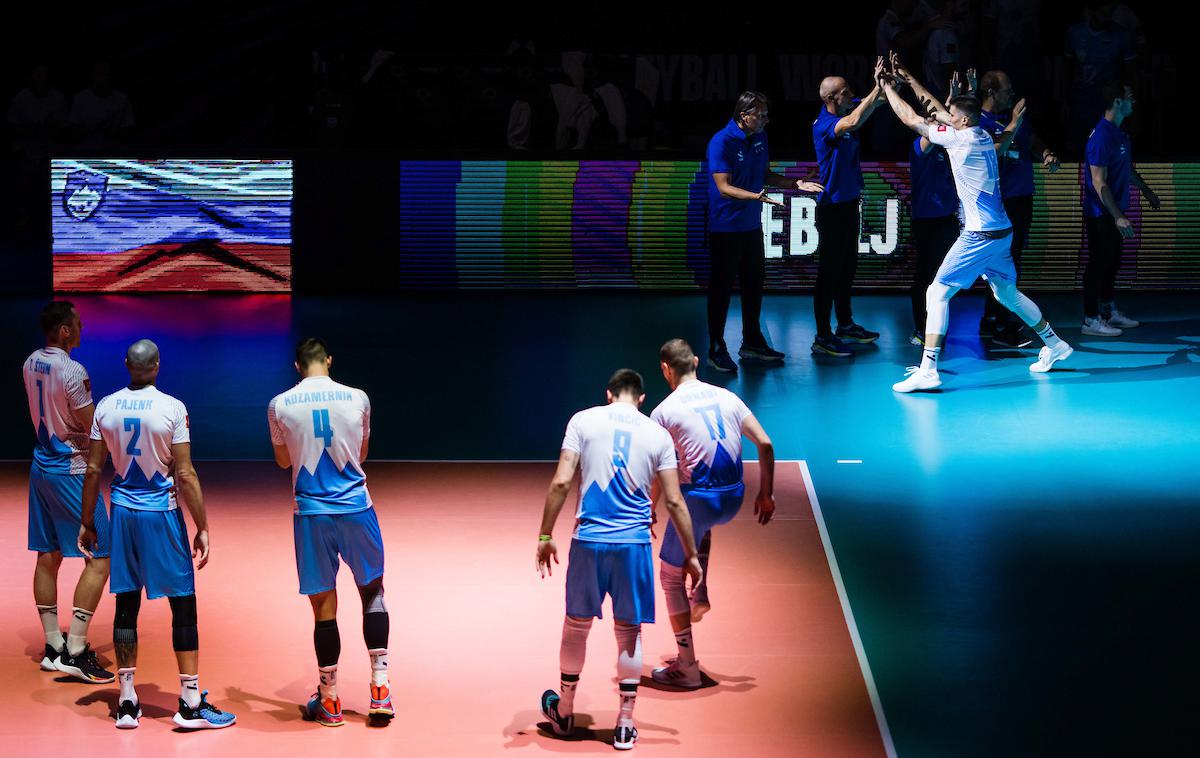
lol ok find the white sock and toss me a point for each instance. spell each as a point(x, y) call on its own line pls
point(49, 616)
point(687, 648)
point(379, 671)
point(929, 358)
point(189, 689)
point(81, 618)
point(125, 679)
point(1049, 337)
point(327, 689)
point(629, 668)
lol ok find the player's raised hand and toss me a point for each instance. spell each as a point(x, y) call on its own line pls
point(691, 567)
point(811, 187)
point(899, 72)
point(200, 548)
point(86, 541)
point(972, 81)
point(955, 85)
point(1018, 111)
point(546, 550)
point(764, 507)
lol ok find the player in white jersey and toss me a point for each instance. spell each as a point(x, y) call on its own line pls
point(983, 246)
point(321, 429)
point(61, 408)
point(707, 424)
point(620, 454)
point(146, 431)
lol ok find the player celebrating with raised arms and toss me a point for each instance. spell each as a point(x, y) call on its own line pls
point(983, 246)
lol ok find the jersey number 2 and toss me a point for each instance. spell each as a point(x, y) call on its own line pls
point(321, 426)
point(134, 425)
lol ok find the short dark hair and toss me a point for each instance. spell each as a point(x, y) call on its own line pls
point(310, 351)
point(989, 83)
point(968, 105)
point(55, 314)
point(748, 101)
point(626, 380)
point(678, 354)
point(1114, 90)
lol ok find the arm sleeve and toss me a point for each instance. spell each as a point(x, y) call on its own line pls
point(666, 454)
point(183, 432)
point(719, 161)
point(1097, 153)
point(943, 135)
point(366, 415)
point(79, 387)
point(571, 440)
point(96, 426)
point(273, 424)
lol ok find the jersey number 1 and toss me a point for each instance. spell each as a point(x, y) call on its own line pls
point(321, 426)
point(41, 400)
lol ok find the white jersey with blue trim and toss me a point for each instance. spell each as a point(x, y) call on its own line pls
point(976, 172)
point(706, 424)
point(323, 424)
point(620, 452)
point(56, 387)
point(139, 426)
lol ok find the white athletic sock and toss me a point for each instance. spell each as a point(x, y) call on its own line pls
point(567, 684)
point(379, 669)
point(189, 689)
point(929, 358)
point(327, 689)
point(629, 668)
point(49, 616)
point(687, 647)
point(81, 618)
point(1049, 337)
point(125, 679)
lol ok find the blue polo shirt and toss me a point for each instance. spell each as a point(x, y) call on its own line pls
point(837, 159)
point(744, 158)
point(1016, 166)
point(933, 193)
point(1109, 147)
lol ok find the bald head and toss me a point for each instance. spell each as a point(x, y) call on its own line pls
point(831, 85)
point(142, 361)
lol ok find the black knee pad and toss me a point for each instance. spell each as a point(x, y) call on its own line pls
point(129, 604)
point(185, 637)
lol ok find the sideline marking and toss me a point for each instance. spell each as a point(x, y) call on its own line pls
point(876, 705)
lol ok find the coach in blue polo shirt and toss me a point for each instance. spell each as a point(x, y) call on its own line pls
point(738, 170)
point(836, 141)
point(1107, 173)
point(1016, 188)
point(934, 211)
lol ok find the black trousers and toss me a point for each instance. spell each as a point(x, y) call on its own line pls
point(735, 255)
point(1104, 261)
point(1020, 213)
point(932, 237)
point(837, 261)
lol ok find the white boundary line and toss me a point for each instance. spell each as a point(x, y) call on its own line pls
point(877, 705)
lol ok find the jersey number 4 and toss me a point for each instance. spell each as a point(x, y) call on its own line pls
point(321, 427)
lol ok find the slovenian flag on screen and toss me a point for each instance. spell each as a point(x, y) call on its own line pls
point(171, 225)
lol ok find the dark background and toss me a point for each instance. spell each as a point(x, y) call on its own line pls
point(295, 79)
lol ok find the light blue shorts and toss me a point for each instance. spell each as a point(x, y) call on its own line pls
point(322, 538)
point(622, 570)
point(55, 505)
point(975, 254)
point(151, 549)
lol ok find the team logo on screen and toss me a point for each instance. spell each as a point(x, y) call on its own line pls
point(83, 194)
